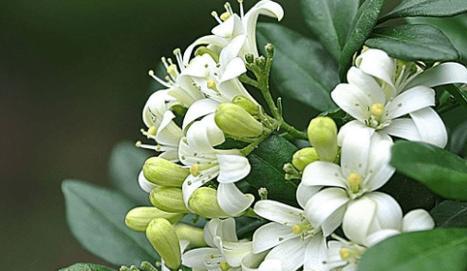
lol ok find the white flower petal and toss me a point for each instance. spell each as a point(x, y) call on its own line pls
point(271, 235)
point(215, 134)
point(199, 109)
point(226, 230)
point(333, 258)
point(278, 212)
point(442, 74)
point(409, 101)
point(233, 168)
point(157, 104)
point(232, 200)
point(231, 88)
point(251, 262)
point(352, 100)
point(170, 154)
point(231, 51)
point(379, 170)
point(355, 151)
point(358, 219)
point(290, 253)
point(195, 258)
point(169, 133)
point(379, 236)
point(388, 211)
point(430, 127)
point(192, 183)
point(200, 67)
point(210, 39)
point(144, 184)
point(230, 28)
point(403, 128)
point(378, 64)
point(326, 209)
point(417, 220)
point(348, 127)
point(321, 173)
point(234, 252)
point(198, 138)
point(367, 84)
point(316, 252)
point(271, 265)
point(233, 69)
point(305, 192)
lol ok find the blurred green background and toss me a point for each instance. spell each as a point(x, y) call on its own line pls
point(73, 80)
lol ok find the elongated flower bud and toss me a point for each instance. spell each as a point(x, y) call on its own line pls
point(138, 218)
point(165, 173)
point(169, 199)
point(235, 121)
point(246, 104)
point(161, 234)
point(304, 157)
point(204, 203)
point(322, 134)
point(192, 234)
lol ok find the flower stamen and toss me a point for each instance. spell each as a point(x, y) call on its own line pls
point(354, 181)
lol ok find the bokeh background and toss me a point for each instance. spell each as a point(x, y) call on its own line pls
point(73, 80)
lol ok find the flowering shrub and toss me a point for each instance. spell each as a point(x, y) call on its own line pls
point(231, 185)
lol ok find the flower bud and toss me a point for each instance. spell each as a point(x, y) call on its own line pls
point(191, 234)
point(203, 202)
point(165, 173)
point(246, 104)
point(304, 157)
point(169, 199)
point(269, 48)
point(235, 121)
point(322, 134)
point(161, 234)
point(249, 58)
point(138, 218)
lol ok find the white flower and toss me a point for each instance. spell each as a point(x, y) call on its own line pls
point(256, 262)
point(206, 163)
point(349, 187)
point(232, 25)
point(225, 251)
point(291, 238)
point(396, 99)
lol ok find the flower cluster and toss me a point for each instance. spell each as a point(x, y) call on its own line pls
point(206, 108)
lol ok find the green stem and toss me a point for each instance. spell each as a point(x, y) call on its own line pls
point(252, 146)
point(293, 131)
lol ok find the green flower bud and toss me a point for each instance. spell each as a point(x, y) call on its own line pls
point(235, 121)
point(138, 218)
point(269, 48)
point(203, 202)
point(249, 58)
point(192, 234)
point(161, 234)
point(165, 173)
point(322, 134)
point(169, 199)
point(304, 157)
point(246, 104)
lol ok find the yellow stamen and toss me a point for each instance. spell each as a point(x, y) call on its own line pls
point(355, 181)
point(377, 111)
point(172, 70)
point(212, 84)
point(345, 253)
point(195, 170)
point(297, 229)
point(225, 16)
point(224, 266)
point(152, 131)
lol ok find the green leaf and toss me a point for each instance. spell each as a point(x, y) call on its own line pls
point(96, 218)
point(458, 140)
point(436, 250)
point(450, 214)
point(441, 171)
point(459, 94)
point(330, 21)
point(86, 267)
point(364, 23)
point(429, 8)
point(126, 161)
point(302, 69)
point(267, 162)
point(413, 42)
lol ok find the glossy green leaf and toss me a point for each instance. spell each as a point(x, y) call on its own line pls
point(441, 171)
point(267, 162)
point(450, 214)
point(330, 21)
point(302, 69)
point(413, 42)
point(86, 267)
point(430, 8)
point(96, 218)
point(458, 140)
point(436, 250)
point(125, 164)
point(364, 23)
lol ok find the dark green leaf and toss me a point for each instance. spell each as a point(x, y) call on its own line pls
point(459, 94)
point(330, 21)
point(96, 218)
point(125, 163)
point(302, 68)
point(247, 225)
point(267, 162)
point(364, 23)
point(441, 171)
point(458, 140)
point(86, 267)
point(430, 8)
point(413, 42)
point(450, 214)
point(436, 250)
